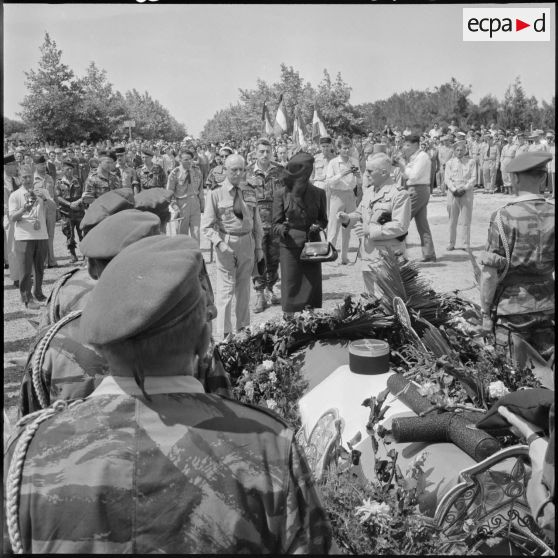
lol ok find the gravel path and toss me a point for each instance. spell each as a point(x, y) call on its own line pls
point(452, 271)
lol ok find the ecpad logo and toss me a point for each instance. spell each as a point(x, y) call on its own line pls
point(506, 24)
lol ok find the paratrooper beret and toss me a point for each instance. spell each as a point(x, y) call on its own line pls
point(117, 231)
point(154, 200)
point(151, 283)
point(107, 204)
point(531, 161)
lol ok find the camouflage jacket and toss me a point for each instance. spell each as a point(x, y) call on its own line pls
point(69, 293)
point(528, 285)
point(154, 178)
point(67, 192)
point(187, 472)
point(128, 176)
point(215, 177)
point(96, 185)
point(265, 185)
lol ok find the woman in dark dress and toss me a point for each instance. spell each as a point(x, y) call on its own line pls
point(299, 213)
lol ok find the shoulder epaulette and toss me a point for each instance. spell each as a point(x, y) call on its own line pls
point(56, 289)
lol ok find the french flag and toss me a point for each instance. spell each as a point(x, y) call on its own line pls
point(267, 126)
point(281, 126)
point(318, 128)
point(298, 131)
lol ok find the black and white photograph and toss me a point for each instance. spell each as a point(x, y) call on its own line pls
point(279, 278)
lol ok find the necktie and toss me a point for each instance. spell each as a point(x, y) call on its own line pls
point(237, 204)
point(188, 180)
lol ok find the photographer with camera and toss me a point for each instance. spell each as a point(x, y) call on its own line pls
point(342, 179)
point(27, 211)
point(460, 178)
point(382, 219)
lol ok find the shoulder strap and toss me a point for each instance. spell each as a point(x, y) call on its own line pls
point(51, 302)
point(39, 357)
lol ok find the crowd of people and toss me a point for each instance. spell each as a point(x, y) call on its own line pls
point(140, 320)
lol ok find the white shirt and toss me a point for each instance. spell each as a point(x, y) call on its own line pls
point(25, 227)
point(417, 169)
point(335, 169)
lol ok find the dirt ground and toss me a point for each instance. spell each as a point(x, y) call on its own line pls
point(451, 272)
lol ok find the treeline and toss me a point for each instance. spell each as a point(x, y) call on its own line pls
point(415, 109)
point(61, 107)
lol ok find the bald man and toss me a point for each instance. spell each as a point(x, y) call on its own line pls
point(231, 221)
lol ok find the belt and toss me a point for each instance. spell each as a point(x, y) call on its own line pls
point(237, 233)
point(416, 185)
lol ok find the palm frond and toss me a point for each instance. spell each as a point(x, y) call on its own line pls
point(476, 267)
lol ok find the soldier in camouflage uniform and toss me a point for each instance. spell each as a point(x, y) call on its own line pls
point(102, 179)
point(265, 177)
point(149, 462)
point(217, 173)
point(517, 285)
point(127, 174)
point(69, 192)
point(149, 175)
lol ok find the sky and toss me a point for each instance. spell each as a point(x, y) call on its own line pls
point(194, 58)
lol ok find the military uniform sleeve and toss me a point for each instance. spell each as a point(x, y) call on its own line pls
point(201, 194)
point(88, 196)
point(448, 175)
point(356, 215)
point(307, 529)
point(210, 218)
point(278, 211)
point(400, 219)
point(171, 182)
point(258, 230)
point(472, 175)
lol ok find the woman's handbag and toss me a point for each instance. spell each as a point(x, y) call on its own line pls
point(318, 252)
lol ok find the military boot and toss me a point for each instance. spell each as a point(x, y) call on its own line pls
point(261, 303)
point(272, 296)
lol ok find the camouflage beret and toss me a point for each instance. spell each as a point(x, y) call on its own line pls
point(151, 283)
point(534, 160)
point(117, 231)
point(154, 200)
point(107, 204)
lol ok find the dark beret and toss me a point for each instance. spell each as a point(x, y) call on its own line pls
point(68, 163)
point(9, 159)
point(531, 404)
point(147, 152)
point(38, 159)
point(155, 200)
point(107, 204)
point(117, 231)
point(149, 284)
point(106, 153)
point(412, 138)
point(189, 152)
point(531, 161)
point(120, 151)
point(300, 166)
point(326, 139)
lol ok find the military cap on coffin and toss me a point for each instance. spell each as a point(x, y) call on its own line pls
point(535, 160)
point(155, 200)
point(300, 166)
point(108, 204)
point(149, 285)
point(117, 231)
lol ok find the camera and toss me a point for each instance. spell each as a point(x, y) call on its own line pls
point(355, 170)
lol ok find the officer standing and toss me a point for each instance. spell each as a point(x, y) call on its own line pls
point(321, 162)
point(102, 179)
point(382, 219)
point(149, 174)
point(490, 161)
point(10, 185)
point(460, 177)
point(69, 192)
point(445, 153)
point(517, 284)
point(127, 173)
point(506, 156)
point(232, 222)
point(186, 184)
point(265, 178)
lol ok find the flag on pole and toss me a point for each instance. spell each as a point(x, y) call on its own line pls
point(318, 128)
point(267, 126)
point(298, 131)
point(280, 127)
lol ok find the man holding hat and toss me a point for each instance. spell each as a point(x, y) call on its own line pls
point(231, 221)
point(517, 284)
point(177, 470)
point(43, 180)
point(10, 185)
point(26, 210)
point(102, 179)
point(185, 183)
point(415, 166)
point(69, 193)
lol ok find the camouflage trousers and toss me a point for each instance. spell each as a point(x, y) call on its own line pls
point(69, 228)
point(536, 328)
point(270, 247)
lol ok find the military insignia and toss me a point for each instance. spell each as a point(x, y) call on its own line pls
point(255, 181)
point(249, 196)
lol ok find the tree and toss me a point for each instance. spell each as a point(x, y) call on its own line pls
point(514, 107)
point(51, 107)
point(13, 126)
